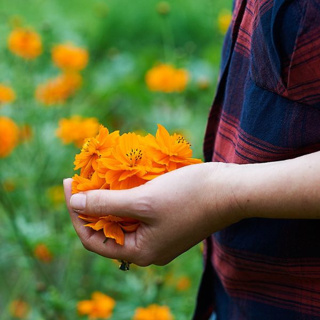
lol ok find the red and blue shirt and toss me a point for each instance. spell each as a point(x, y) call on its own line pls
point(267, 108)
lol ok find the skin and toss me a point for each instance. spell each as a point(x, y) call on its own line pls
point(181, 208)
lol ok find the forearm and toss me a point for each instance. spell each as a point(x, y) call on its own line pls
point(181, 208)
point(287, 189)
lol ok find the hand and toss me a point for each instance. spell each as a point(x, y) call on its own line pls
point(177, 210)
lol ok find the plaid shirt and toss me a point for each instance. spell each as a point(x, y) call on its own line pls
point(267, 108)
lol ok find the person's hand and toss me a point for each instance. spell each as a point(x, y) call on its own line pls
point(177, 210)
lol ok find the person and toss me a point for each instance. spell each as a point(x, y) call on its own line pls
point(256, 200)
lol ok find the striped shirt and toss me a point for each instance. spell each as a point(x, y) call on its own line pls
point(267, 108)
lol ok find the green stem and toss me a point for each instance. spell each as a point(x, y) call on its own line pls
point(167, 39)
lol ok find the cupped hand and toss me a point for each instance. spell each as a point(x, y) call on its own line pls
point(176, 211)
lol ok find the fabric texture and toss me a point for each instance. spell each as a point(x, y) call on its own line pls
point(267, 108)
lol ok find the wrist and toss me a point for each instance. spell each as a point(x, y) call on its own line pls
point(225, 185)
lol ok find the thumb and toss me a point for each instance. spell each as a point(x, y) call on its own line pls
point(122, 203)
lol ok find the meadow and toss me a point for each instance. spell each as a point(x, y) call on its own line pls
point(128, 65)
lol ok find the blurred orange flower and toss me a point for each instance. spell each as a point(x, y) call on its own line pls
point(100, 306)
point(56, 195)
point(171, 151)
point(42, 253)
point(224, 20)
point(166, 78)
point(59, 89)
point(93, 149)
point(7, 94)
point(129, 165)
point(183, 283)
point(153, 312)
point(77, 129)
point(113, 227)
point(69, 57)
point(19, 309)
point(9, 185)
point(163, 8)
point(25, 133)
point(9, 136)
point(203, 83)
point(25, 43)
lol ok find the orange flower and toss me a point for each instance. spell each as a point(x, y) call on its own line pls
point(7, 94)
point(129, 165)
point(110, 161)
point(56, 195)
point(80, 184)
point(166, 78)
point(183, 283)
point(113, 227)
point(100, 306)
point(69, 57)
point(42, 253)
point(25, 43)
point(224, 20)
point(59, 89)
point(25, 133)
point(9, 185)
point(171, 151)
point(9, 135)
point(93, 149)
point(19, 309)
point(153, 312)
point(203, 83)
point(163, 8)
point(77, 129)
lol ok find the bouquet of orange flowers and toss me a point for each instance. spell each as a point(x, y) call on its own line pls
point(113, 161)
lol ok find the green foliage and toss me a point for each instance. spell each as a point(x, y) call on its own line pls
point(124, 39)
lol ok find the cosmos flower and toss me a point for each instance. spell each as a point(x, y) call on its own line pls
point(153, 312)
point(183, 283)
point(80, 184)
point(99, 307)
point(129, 165)
point(56, 195)
point(113, 227)
point(7, 94)
point(42, 253)
point(224, 20)
point(9, 136)
point(25, 133)
point(93, 149)
point(77, 129)
point(19, 309)
point(171, 151)
point(166, 78)
point(163, 8)
point(116, 162)
point(69, 57)
point(59, 89)
point(25, 43)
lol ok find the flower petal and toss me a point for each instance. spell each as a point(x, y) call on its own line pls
point(112, 230)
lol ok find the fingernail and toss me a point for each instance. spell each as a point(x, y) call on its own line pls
point(78, 201)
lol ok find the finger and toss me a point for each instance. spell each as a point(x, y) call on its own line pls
point(76, 221)
point(122, 203)
point(95, 240)
point(78, 224)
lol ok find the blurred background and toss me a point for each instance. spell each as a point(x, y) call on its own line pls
point(65, 67)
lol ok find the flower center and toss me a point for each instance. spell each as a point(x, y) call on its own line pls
point(85, 147)
point(181, 139)
point(134, 156)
